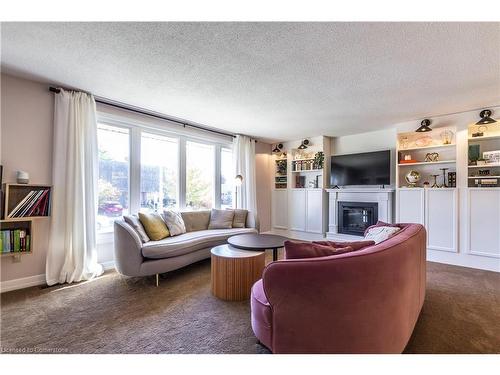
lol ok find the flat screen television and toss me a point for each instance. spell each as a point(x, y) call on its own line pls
point(367, 168)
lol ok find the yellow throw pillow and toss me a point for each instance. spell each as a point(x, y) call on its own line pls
point(154, 226)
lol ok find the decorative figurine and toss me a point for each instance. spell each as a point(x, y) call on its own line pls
point(444, 185)
point(412, 177)
point(435, 185)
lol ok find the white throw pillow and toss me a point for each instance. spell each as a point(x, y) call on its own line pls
point(379, 234)
point(174, 221)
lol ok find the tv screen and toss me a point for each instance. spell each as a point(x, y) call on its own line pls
point(368, 168)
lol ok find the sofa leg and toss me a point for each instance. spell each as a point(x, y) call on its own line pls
point(157, 280)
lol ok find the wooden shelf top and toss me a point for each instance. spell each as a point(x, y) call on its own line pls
point(24, 218)
point(28, 185)
point(14, 253)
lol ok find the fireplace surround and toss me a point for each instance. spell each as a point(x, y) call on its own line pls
point(382, 196)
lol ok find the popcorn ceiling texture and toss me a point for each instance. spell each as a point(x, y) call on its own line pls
point(115, 314)
point(276, 81)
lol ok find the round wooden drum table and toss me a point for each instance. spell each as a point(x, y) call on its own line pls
point(234, 271)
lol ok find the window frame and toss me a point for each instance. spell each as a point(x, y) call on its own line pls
point(167, 129)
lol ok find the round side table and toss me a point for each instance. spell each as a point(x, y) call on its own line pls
point(234, 271)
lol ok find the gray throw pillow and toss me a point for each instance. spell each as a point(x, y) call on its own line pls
point(221, 219)
point(174, 221)
point(134, 222)
point(240, 217)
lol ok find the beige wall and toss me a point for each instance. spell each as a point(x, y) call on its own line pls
point(27, 110)
point(264, 184)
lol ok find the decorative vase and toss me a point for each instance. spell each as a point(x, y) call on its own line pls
point(22, 177)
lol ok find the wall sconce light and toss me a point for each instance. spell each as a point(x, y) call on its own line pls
point(304, 144)
point(278, 148)
point(485, 118)
point(424, 126)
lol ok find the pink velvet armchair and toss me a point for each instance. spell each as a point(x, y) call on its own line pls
point(366, 301)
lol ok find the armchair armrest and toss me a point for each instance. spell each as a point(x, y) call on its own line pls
point(127, 249)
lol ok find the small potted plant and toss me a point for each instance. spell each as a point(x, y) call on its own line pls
point(319, 159)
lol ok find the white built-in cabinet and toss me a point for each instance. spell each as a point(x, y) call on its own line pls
point(307, 210)
point(410, 207)
point(436, 209)
point(297, 209)
point(315, 213)
point(279, 209)
point(484, 221)
point(302, 210)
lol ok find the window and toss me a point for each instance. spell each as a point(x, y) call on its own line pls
point(150, 167)
point(113, 183)
point(200, 175)
point(159, 172)
point(226, 178)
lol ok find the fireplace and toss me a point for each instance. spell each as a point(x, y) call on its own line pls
point(355, 217)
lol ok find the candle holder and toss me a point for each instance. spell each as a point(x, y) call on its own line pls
point(435, 185)
point(444, 177)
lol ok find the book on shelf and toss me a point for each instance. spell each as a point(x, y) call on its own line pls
point(14, 240)
point(35, 203)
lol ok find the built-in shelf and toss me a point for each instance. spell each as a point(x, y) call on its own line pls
point(15, 253)
point(310, 159)
point(427, 162)
point(485, 177)
point(426, 147)
point(308, 170)
point(485, 166)
point(484, 138)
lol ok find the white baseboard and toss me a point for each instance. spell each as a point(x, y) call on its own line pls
point(464, 260)
point(23, 282)
point(26, 282)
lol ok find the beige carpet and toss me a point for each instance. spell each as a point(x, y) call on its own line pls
point(115, 314)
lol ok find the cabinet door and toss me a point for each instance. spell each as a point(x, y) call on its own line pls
point(297, 209)
point(314, 211)
point(441, 219)
point(280, 209)
point(484, 222)
point(410, 206)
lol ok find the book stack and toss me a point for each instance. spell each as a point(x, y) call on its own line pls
point(14, 240)
point(36, 203)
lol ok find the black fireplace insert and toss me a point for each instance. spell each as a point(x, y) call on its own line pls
point(355, 217)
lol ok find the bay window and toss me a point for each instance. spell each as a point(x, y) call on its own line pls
point(146, 168)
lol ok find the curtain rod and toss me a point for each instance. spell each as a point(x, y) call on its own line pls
point(150, 113)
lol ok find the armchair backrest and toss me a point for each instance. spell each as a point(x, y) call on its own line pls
point(365, 301)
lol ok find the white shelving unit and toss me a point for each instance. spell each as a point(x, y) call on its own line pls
point(417, 146)
point(490, 141)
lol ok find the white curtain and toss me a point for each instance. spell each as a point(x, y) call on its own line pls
point(72, 254)
point(244, 155)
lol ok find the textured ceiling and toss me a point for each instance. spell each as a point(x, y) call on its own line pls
point(275, 81)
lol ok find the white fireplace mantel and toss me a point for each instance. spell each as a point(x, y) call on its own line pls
point(382, 196)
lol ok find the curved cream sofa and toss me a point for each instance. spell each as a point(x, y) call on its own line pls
point(135, 258)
